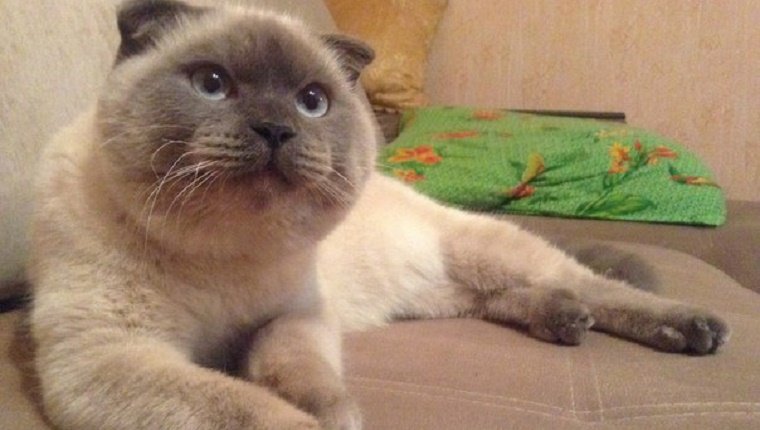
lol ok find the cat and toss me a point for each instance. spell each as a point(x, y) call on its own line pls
point(204, 234)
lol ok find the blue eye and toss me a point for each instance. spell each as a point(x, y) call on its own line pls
point(312, 101)
point(211, 82)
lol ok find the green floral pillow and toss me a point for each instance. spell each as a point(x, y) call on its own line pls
point(500, 161)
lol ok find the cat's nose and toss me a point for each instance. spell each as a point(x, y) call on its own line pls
point(274, 134)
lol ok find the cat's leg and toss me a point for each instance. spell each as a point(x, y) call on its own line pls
point(518, 277)
point(298, 356)
point(109, 381)
point(551, 314)
point(421, 260)
point(665, 324)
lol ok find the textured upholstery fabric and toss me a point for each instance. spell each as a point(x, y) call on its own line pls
point(465, 374)
point(53, 57)
point(459, 374)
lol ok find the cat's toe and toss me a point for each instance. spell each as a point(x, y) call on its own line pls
point(564, 319)
point(571, 325)
point(707, 333)
point(693, 331)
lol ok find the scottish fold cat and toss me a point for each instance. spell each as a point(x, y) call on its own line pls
point(207, 230)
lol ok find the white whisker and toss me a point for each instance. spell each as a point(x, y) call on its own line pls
point(140, 129)
point(155, 194)
point(197, 183)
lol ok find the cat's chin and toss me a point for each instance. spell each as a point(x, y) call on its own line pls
point(268, 180)
point(269, 188)
point(273, 180)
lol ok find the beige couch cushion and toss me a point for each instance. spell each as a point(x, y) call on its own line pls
point(54, 56)
point(457, 374)
point(465, 374)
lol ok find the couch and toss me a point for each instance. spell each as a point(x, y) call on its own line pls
point(439, 374)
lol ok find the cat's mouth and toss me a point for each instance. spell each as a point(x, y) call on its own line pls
point(270, 171)
point(270, 174)
point(275, 158)
point(218, 161)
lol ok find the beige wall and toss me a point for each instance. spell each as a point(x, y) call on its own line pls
point(688, 69)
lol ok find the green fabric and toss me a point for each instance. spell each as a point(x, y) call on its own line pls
point(499, 161)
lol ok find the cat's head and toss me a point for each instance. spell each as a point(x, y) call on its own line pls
point(235, 104)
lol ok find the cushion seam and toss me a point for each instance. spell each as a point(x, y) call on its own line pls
point(372, 382)
point(575, 418)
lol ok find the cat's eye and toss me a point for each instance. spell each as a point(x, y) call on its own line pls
point(312, 101)
point(211, 82)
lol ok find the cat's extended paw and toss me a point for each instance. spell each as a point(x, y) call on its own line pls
point(561, 317)
point(691, 330)
point(343, 414)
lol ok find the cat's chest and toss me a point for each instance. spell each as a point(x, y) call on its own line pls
point(217, 301)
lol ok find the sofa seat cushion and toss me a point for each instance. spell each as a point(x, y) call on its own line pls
point(466, 374)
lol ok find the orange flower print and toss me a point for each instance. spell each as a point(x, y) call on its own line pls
point(457, 134)
point(487, 115)
point(521, 191)
point(690, 180)
point(618, 152)
point(533, 169)
point(409, 176)
point(620, 155)
point(618, 167)
point(424, 154)
point(660, 152)
point(694, 180)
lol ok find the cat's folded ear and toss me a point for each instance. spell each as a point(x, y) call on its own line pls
point(143, 22)
point(353, 54)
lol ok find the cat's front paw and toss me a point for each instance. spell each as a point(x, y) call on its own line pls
point(562, 318)
point(342, 414)
point(691, 330)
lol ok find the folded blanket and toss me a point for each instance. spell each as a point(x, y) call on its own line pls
point(501, 161)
